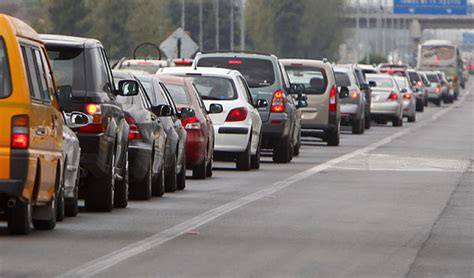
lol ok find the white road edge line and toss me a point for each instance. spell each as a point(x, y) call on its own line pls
point(105, 262)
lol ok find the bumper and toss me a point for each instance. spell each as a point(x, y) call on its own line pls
point(231, 138)
point(409, 108)
point(196, 143)
point(95, 149)
point(12, 188)
point(349, 113)
point(15, 184)
point(385, 108)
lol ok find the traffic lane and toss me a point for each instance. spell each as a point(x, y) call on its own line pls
point(326, 226)
point(92, 235)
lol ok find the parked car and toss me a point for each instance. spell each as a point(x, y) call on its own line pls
point(387, 100)
point(175, 145)
point(435, 91)
point(147, 138)
point(268, 81)
point(353, 102)
point(446, 88)
point(200, 130)
point(323, 111)
point(85, 83)
point(238, 126)
point(409, 100)
point(31, 159)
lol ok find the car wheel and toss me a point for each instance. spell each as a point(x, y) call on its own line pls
point(19, 217)
point(121, 186)
point(100, 192)
point(412, 119)
point(170, 177)
point(200, 171)
point(209, 168)
point(420, 107)
point(297, 147)
point(60, 205)
point(333, 136)
point(397, 122)
point(158, 185)
point(255, 160)
point(358, 126)
point(243, 159)
point(142, 190)
point(282, 152)
point(368, 121)
point(71, 208)
point(49, 216)
point(181, 182)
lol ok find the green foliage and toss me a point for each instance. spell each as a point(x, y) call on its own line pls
point(374, 59)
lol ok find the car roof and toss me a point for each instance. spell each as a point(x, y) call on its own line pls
point(308, 62)
point(20, 28)
point(172, 79)
point(340, 68)
point(70, 41)
point(199, 70)
point(235, 54)
point(379, 75)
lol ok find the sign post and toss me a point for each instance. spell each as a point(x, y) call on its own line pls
point(179, 45)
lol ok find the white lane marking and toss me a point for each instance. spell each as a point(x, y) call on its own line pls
point(399, 170)
point(105, 262)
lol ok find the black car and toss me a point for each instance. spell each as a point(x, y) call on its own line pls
point(267, 79)
point(85, 83)
point(147, 138)
point(175, 150)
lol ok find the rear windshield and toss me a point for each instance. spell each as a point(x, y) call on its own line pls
point(5, 80)
point(178, 93)
point(68, 67)
point(402, 83)
point(391, 71)
point(215, 88)
point(342, 79)
point(382, 82)
point(257, 72)
point(432, 77)
point(314, 79)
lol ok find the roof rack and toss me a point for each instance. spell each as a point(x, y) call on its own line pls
point(234, 51)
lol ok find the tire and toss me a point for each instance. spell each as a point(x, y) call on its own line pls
point(19, 218)
point(158, 185)
point(438, 102)
point(142, 190)
point(71, 208)
point(255, 159)
point(100, 192)
point(282, 152)
point(121, 186)
point(60, 205)
point(368, 121)
point(333, 136)
point(425, 102)
point(297, 147)
point(358, 126)
point(397, 122)
point(200, 171)
point(209, 168)
point(420, 107)
point(243, 159)
point(412, 119)
point(170, 177)
point(181, 178)
point(50, 223)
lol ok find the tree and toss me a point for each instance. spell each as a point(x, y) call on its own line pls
point(67, 17)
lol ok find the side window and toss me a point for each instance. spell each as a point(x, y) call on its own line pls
point(168, 97)
point(48, 71)
point(41, 74)
point(31, 72)
point(246, 90)
point(103, 80)
point(107, 66)
point(145, 99)
point(284, 75)
point(5, 78)
point(200, 101)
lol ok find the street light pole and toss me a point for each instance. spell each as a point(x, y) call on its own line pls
point(216, 7)
point(357, 30)
point(242, 25)
point(200, 25)
point(231, 24)
point(183, 15)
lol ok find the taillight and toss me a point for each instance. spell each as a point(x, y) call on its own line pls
point(418, 83)
point(278, 102)
point(237, 115)
point(191, 123)
point(407, 96)
point(354, 95)
point(438, 89)
point(332, 99)
point(20, 135)
point(393, 96)
point(133, 131)
point(95, 111)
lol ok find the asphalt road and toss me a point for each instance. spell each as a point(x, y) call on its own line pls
point(394, 202)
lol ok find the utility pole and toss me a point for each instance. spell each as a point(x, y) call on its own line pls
point(200, 25)
point(231, 24)
point(242, 25)
point(183, 15)
point(357, 31)
point(384, 28)
point(367, 56)
point(216, 7)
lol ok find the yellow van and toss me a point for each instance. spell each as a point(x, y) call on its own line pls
point(31, 131)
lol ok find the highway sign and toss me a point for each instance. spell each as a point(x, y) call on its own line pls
point(179, 45)
point(430, 7)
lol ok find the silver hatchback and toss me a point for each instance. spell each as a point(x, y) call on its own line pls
point(387, 100)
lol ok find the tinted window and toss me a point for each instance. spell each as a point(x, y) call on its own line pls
point(156, 95)
point(31, 71)
point(257, 72)
point(100, 72)
point(178, 93)
point(68, 67)
point(215, 88)
point(342, 79)
point(382, 82)
point(41, 75)
point(414, 77)
point(432, 77)
point(5, 80)
point(314, 79)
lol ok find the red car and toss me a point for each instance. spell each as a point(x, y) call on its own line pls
point(200, 139)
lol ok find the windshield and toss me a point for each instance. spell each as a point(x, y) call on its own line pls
point(314, 79)
point(257, 72)
point(178, 93)
point(437, 55)
point(382, 82)
point(5, 81)
point(342, 79)
point(432, 77)
point(215, 88)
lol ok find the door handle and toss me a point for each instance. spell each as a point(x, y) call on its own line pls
point(41, 131)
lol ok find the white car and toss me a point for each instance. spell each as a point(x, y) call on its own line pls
point(409, 99)
point(238, 127)
point(387, 100)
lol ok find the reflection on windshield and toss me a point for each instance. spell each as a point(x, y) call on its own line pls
point(215, 88)
point(312, 78)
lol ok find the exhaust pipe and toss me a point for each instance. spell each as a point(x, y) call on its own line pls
point(11, 203)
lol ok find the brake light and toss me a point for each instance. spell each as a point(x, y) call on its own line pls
point(393, 96)
point(407, 96)
point(332, 99)
point(183, 62)
point(418, 83)
point(237, 115)
point(95, 111)
point(20, 136)
point(235, 62)
point(354, 95)
point(438, 89)
point(133, 131)
point(191, 123)
point(278, 102)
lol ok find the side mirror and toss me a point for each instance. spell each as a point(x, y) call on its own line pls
point(302, 103)
point(77, 119)
point(344, 92)
point(261, 103)
point(372, 84)
point(162, 110)
point(215, 108)
point(364, 86)
point(187, 112)
point(296, 89)
point(128, 88)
